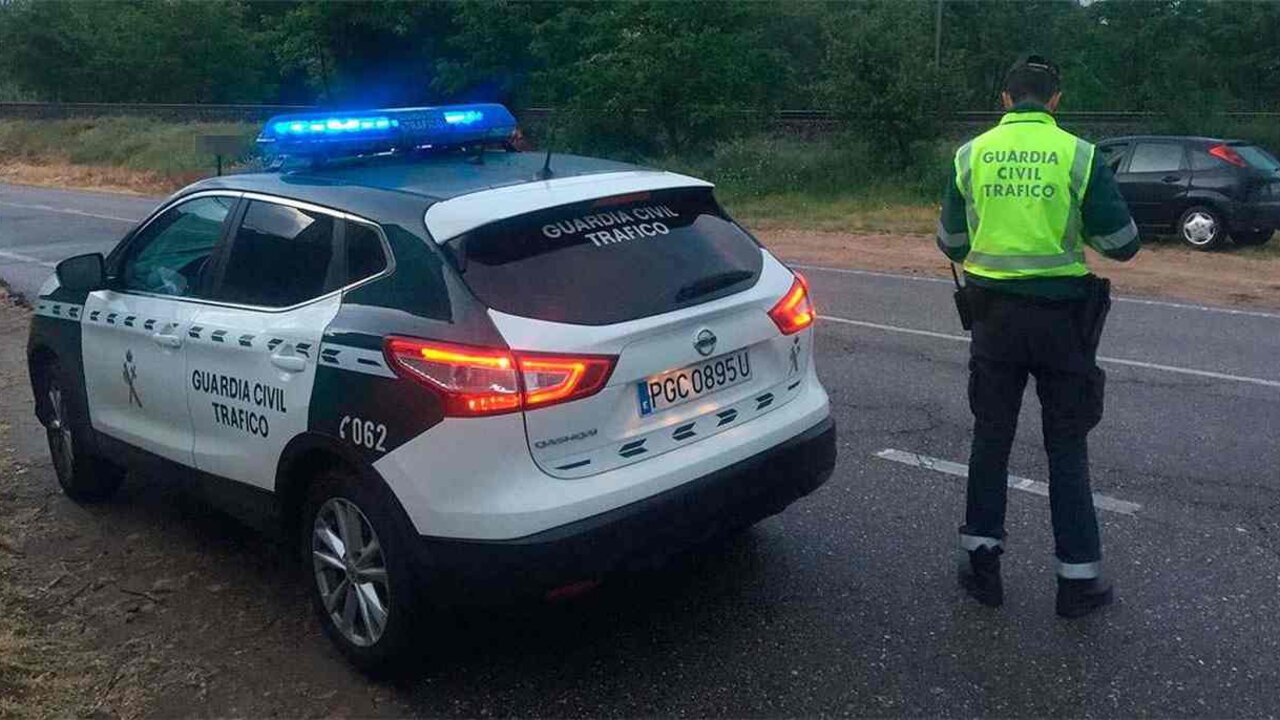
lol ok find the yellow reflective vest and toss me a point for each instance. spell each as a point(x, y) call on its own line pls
point(1023, 182)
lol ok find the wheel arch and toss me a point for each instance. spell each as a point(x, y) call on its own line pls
point(40, 357)
point(1214, 201)
point(302, 459)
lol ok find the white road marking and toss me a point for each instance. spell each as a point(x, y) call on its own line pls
point(18, 257)
point(1135, 301)
point(60, 246)
point(1102, 502)
point(67, 211)
point(1101, 358)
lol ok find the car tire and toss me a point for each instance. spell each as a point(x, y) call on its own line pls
point(1202, 228)
point(84, 477)
point(364, 587)
point(1251, 237)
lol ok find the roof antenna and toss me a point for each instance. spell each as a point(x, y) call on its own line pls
point(546, 172)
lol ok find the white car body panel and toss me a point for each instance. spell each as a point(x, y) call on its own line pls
point(453, 484)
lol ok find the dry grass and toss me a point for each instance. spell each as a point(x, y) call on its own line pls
point(839, 214)
point(61, 174)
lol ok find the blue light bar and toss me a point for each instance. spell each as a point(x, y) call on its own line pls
point(337, 134)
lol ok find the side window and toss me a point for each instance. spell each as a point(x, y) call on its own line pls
point(171, 256)
point(1112, 155)
point(1201, 160)
point(1156, 157)
point(280, 256)
point(365, 256)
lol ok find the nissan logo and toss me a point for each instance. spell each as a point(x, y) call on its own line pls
point(705, 343)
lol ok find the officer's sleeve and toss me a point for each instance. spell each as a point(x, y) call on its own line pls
point(953, 227)
point(1108, 227)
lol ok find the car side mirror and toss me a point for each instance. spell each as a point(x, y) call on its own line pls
point(82, 273)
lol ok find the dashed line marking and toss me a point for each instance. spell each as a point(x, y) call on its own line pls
point(19, 257)
point(1194, 372)
point(947, 467)
point(67, 211)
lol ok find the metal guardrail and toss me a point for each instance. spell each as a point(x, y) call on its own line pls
point(249, 112)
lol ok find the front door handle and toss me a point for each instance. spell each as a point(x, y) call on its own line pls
point(291, 363)
point(1171, 178)
point(167, 340)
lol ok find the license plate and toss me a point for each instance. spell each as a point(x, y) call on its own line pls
point(677, 387)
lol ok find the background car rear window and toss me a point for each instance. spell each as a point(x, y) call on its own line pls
point(1156, 157)
point(171, 255)
point(280, 256)
point(610, 260)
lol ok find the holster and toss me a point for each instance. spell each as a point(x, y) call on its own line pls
point(964, 301)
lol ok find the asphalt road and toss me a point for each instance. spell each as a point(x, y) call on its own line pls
point(846, 604)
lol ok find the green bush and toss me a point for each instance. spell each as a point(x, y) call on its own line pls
point(830, 167)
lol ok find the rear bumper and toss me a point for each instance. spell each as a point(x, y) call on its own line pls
point(1255, 215)
point(734, 497)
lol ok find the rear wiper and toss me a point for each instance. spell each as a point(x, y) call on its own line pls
point(712, 283)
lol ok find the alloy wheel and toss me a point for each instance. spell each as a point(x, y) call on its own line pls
point(1199, 228)
point(350, 571)
point(61, 443)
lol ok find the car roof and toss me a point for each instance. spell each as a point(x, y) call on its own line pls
point(1179, 138)
point(406, 186)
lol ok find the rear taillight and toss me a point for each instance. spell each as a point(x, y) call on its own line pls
point(487, 381)
point(794, 312)
point(1226, 154)
point(551, 379)
point(470, 380)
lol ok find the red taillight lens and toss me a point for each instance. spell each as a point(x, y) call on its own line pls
point(794, 312)
point(550, 379)
point(471, 380)
point(1226, 154)
point(486, 381)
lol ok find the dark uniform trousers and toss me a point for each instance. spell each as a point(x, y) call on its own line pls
point(1013, 337)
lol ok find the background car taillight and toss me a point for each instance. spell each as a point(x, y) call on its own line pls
point(1226, 154)
point(794, 312)
point(476, 381)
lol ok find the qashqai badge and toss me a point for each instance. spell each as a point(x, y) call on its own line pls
point(705, 343)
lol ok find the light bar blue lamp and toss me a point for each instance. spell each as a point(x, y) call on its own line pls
point(330, 135)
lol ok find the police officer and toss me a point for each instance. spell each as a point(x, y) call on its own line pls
point(1025, 198)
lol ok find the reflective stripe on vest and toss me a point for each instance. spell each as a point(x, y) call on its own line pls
point(1023, 183)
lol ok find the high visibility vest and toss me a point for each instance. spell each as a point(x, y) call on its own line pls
point(1023, 182)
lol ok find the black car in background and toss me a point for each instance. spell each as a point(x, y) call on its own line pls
point(1203, 189)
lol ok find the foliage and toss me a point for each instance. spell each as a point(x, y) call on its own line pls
point(140, 51)
point(696, 82)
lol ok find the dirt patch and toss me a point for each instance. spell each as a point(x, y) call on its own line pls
point(150, 604)
point(65, 175)
point(1235, 277)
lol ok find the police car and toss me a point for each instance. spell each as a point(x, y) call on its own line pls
point(450, 369)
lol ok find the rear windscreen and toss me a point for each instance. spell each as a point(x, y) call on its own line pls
point(1257, 157)
point(609, 260)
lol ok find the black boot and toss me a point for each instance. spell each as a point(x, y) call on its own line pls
point(1077, 598)
point(980, 577)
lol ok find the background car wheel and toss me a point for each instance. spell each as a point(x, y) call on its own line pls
point(363, 585)
point(1253, 237)
point(1202, 228)
point(83, 476)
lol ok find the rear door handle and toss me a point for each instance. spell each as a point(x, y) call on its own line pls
point(290, 363)
point(1171, 178)
point(167, 340)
